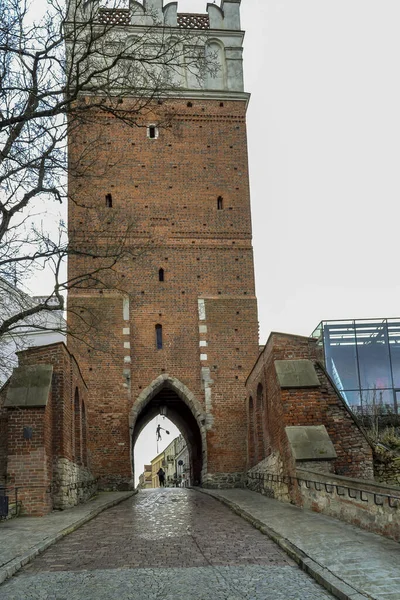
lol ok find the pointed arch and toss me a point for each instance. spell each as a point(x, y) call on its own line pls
point(166, 380)
point(141, 408)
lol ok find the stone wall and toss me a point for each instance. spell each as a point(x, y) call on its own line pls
point(223, 480)
point(366, 504)
point(371, 506)
point(386, 466)
point(72, 484)
point(275, 486)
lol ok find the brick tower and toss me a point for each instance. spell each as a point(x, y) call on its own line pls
point(174, 330)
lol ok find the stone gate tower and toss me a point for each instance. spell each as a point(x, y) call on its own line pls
point(172, 326)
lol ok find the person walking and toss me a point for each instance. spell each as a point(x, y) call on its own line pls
point(161, 476)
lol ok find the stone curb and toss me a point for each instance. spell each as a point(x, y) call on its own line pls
point(14, 565)
point(323, 576)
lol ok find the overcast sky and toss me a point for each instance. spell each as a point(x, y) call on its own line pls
point(324, 142)
point(324, 131)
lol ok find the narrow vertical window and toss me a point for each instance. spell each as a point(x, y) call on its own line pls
point(108, 200)
point(220, 203)
point(159, 341)
point(161, 275)
point(152, 132)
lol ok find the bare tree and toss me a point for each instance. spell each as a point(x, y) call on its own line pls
point(55, 75)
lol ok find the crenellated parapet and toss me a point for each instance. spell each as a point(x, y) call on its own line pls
point(152, 12)
point(226, 16)
point(217, 31)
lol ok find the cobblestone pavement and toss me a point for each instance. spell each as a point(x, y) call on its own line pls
point(23, 538)
point(164, 544)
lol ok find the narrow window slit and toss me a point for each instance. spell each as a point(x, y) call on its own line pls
point(152, 132)
point(161, 275)
point(108, 200)
point(220, 203)
point(159, 340)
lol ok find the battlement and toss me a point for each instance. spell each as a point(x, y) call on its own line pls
point(214, 37)
point(154, 12)
point(122, 16)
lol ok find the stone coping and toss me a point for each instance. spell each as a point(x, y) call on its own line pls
point(350, 481)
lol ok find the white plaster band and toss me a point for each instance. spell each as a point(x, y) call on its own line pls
point(125, 308)
point(202, 309)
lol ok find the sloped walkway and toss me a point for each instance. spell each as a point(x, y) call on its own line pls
point(351, 563)
point(24, 538)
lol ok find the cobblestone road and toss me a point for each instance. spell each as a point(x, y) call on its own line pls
point(164, 544)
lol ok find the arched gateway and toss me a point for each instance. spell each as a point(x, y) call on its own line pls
point(183, 409)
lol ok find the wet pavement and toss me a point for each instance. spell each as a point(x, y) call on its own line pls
point(353, 563)
point(164, 544)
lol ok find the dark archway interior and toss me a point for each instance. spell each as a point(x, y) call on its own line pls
point(181, 415)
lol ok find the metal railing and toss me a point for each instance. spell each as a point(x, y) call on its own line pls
point(341, 489)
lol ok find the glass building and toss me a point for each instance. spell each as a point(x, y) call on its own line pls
point(363, 359)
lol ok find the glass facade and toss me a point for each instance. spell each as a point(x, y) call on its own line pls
point(363, 359)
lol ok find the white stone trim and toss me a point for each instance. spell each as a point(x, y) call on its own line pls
point(125, 308)
point(202, 309)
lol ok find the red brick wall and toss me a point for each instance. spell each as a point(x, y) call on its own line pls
point(66, 379)
point(31, 462)
point(102, 360)
point(312, 406)
point(165, 192)
point(231, 337)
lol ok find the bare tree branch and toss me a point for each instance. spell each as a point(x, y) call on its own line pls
point(56, 75)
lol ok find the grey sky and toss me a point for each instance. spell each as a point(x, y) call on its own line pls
point(324, 126)
point(324, 131)
point(147, 447)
